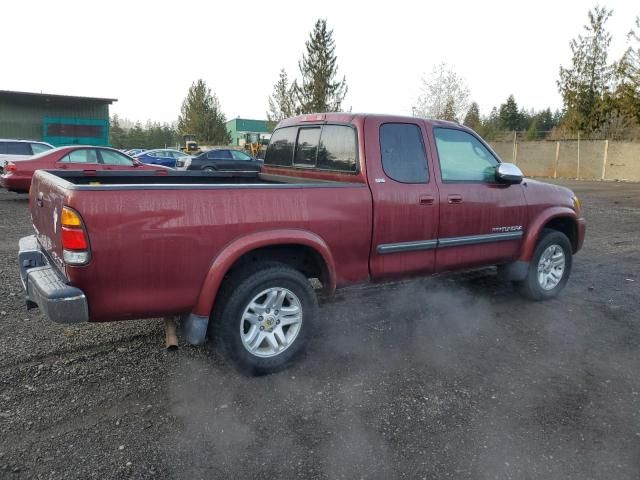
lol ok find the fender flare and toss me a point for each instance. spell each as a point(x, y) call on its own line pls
point(239, 246)
point(535, 227)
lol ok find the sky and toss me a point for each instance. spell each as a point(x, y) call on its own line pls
point(147, 53)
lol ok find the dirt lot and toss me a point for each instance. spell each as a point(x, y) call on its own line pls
point(453, 377)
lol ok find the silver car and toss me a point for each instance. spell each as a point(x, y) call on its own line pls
point(11, 150)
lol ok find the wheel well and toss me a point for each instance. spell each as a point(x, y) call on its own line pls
point(567, 226)
point(300, 257)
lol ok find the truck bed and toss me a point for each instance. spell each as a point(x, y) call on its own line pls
point(110, 180)
point(153, 238)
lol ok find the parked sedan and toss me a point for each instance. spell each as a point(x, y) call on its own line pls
point(16, 175)
point(220, 160)
point(162, 156)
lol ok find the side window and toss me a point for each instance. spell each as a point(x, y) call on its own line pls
point(39, 148)
point(114, 158)
point(280, 149)
point(307, 147)
point(17, 148)
point(219, 155)
point(177, 154)
point(403, 154)
point(84, 155)
point(238, 155)
point(337, 148)
point(463, 158)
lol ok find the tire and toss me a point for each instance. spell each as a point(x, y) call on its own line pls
point(208, 169)
point(535, 286)
point(238, 327)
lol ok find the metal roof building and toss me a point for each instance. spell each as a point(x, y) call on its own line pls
point(57, 119)
point(245, 130)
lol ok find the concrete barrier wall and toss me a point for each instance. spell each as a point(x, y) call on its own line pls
point(623, 161)
point(504, 150)
point(585, 159)
point(537, 159)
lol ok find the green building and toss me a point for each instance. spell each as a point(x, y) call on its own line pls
point(243, 130)
point(56, 119)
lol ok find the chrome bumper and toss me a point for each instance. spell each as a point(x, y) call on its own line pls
point(46, 288)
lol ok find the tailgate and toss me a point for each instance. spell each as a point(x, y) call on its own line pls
point(46, 199)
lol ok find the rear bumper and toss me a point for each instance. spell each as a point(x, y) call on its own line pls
point(45, 287)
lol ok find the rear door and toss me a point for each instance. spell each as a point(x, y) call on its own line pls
point(405, 198)
point(481, 220)
point(221, 160)
point(80, 159)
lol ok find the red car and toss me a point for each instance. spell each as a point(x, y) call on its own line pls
point(16, 174)
point(342, 199)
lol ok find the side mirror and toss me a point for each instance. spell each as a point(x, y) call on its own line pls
point(508, 173)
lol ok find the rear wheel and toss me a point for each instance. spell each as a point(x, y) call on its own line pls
point(549, 268)
point(263, 317)
point(208, 169)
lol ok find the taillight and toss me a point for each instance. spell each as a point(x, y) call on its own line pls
point(10, 167)
point(75, 247)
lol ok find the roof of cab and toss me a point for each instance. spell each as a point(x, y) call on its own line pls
point(348, 117)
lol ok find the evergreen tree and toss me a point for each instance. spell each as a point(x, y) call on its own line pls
point(449, 113)
point(282, 102)
point(136, 137)
point(318, 90)
point(627, 93)
point(472, 118)
point(509, 115)
point(117, 135)
point(202, 116)
point(584, 84)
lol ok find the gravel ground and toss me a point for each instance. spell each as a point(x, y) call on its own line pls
point(451, 377)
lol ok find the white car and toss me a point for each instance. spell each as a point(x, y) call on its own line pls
point(11, 150)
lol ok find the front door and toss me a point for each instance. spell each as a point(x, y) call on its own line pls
point(405, 198)
point(481, 220)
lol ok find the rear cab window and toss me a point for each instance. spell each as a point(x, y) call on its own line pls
point(403, 154)
point(319, 147)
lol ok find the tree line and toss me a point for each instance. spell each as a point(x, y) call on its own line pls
point(601, 98)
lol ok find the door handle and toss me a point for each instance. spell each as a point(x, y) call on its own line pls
point(455, 198)
point(427, 199)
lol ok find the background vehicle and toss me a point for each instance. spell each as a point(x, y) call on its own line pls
point(20, 149)
point(343, 198)
point(190, 146)
point(16, 176)
point(221, 160)
point(162, 156)
point(134, 151)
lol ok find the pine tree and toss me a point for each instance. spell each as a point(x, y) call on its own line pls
point(509, 115)
point(116, 133)
point(472, 118)
point(627, 94)
point(282, 102)
point(318, 90)
point(584, 84)
point(201, 116)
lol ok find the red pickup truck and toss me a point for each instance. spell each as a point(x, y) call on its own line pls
point(342, 198)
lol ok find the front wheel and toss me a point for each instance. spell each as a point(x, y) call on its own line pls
point(264, 317)
point(549, 268)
